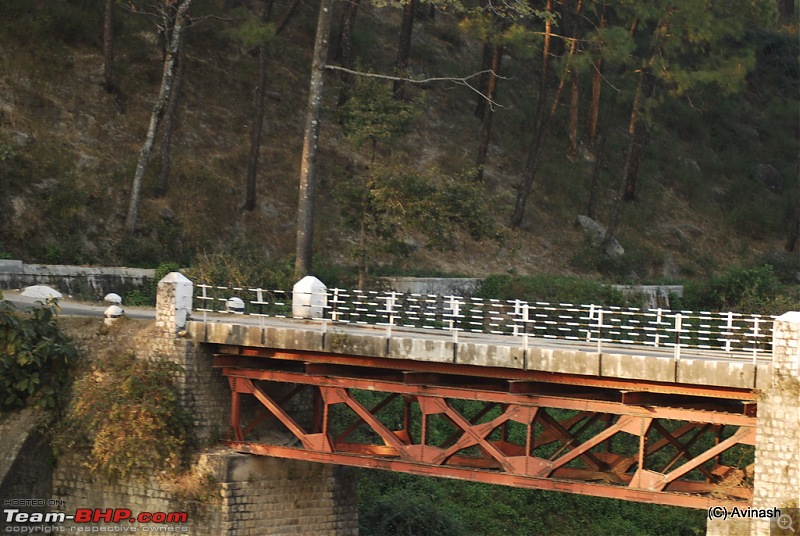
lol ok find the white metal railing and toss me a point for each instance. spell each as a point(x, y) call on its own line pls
point(591, 324)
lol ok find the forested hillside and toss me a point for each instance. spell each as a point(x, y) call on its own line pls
point(454, 137)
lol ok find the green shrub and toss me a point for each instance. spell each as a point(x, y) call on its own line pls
point(552, 289)
point(786, 266)
point(137, 297)
point(35, 357)
point(746, 290)
point(4, 255)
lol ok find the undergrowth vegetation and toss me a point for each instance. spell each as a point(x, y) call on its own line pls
point(745, 290)
point(126, 416)
point(553, 289)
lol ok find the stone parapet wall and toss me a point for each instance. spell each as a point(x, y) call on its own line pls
point(86, 281)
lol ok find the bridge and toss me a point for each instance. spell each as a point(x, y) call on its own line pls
point(644, 405)
point(691, 409)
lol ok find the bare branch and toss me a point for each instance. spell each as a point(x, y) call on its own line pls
point(462, 81)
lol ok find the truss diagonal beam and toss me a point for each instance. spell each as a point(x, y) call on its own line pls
point(388, 437)
point(742, 435)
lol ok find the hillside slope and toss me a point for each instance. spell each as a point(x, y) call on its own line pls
point(68, 150)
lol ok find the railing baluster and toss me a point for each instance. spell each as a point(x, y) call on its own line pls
point(755, 340)
point(678, 324)
point(600, 331)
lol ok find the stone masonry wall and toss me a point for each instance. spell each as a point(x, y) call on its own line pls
point(777, 472)
point(226, 493)
point(229, 494)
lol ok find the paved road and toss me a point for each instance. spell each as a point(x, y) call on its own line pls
point(70, 307)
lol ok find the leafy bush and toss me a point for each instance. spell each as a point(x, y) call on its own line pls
point(126, 414)
point(786, 266)
point(35, 357)
point(746, 290)
point(136, 297)
point(392, 502)
point(550, 289)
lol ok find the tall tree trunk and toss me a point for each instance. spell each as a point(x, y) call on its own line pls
point(483, 82)
point(109, 83)
point(488, 110)
point(599, 149)
point(404, 48)
point(572, 134)
point(530, 168)
point(257, 127)
point(594, 102)
point(256, 130)
point(639, 133)
point(794, 232)
point(345, 49)
point(167, 79)
point(597, 82)
point(786, 10)
point(543, 120)
point(619, 201)
point(169, 120)
point(594, 182)
point(308, 164)
point(362, 251)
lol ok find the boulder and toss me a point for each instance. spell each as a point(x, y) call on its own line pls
point(597, 234)
point(22, 139)
point(670, 268)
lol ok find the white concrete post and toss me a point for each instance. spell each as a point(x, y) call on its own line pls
point(173, 303)
point(309, 298)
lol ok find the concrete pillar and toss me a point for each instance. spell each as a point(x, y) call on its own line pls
point(777, 471)
point(173, 303)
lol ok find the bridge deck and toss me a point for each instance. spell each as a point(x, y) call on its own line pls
point(514, 354)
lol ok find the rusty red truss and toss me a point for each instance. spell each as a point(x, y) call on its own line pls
point(591, 436)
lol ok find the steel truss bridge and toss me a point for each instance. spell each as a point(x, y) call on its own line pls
point(640, 439)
